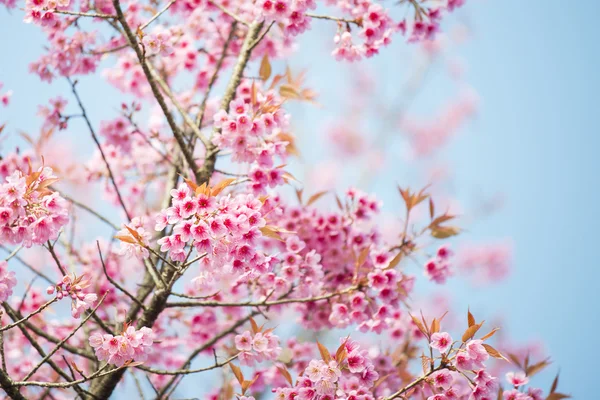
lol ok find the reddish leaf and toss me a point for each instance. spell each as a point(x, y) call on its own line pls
point(316, 197)
point(255, 328)
point(324, 352)
point(489, 335)
point(493, 352)
point(471, 331)
point(286, 375)
point(265, 68)
point(237, 372)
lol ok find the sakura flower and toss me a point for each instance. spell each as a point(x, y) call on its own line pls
point(441, 341)
point(517, 378)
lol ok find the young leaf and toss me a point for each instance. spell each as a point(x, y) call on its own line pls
point(255, 328)
point(237, 372)
point(557, 396)
point(265, 68)
point(470, 318)
point(431, 208)
point(489, 335)
point(395, 261)
point(286, 375)
point(324, 352)
point(125, 238)
point(419, 324)
point(299, 195)
point(515, 360)
point(435, 326)
point(134, 233)
point(288, 92)
point(535, 368)
point(471, 331)
point(247, 384)
point(221, 185)
point(493, 352)
point(316, 197)
point(191, 184)
point(554, 384)
point(269, 231)
point(341, 353)
point(362, 257)
point(443, 232)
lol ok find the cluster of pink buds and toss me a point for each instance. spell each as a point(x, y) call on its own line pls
point(30, 213)
point(438, 269)
point(132, 344)
point(74, 287)
point(257, 346)
point(7, 281)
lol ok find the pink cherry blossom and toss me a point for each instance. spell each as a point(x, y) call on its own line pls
point(441, 341)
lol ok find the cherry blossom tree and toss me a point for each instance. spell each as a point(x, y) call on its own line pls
point(205, 269)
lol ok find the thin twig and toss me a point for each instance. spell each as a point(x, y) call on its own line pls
point(95, 138)
point(28, 317)
point(29, 267)
point(115, 283)
point(55, 258)
point(205, 346)
point(167, 91)
point(59, 345)
point(14, 252)
point(337, 19)
point(187, 371)
point(158, 14)
point(82, 14)
point(264, 303)
point(87, 208)
point(226, 11)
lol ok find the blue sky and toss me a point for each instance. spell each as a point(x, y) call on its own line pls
point(534, 64)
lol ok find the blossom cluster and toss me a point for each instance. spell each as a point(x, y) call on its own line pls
point(30, 213)
point(349, 375)
point(252, 130)
point(426, 22)
point(74, 288)
point(257, 347)
point(8, 281)
point(376, 30)
point(132, 344)
point(377, 305)
point(226, 228)
point(158, 43)
point(464, 371)
point(438, 269)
